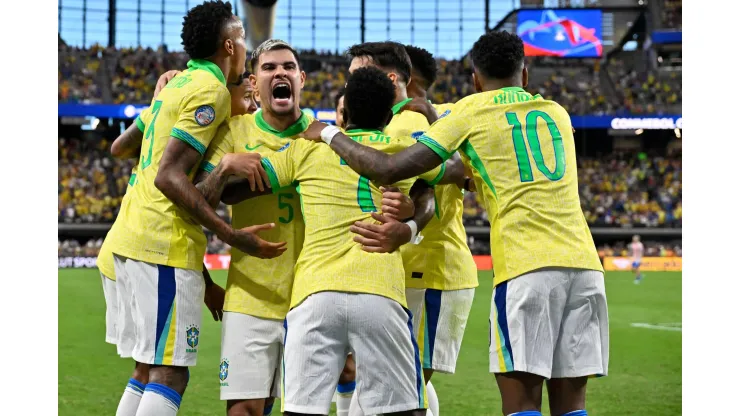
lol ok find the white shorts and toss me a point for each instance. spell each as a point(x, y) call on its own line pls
point(111, 309)
point(251, 351)
point(440, 317)
point(160, 312)
point(550, 322)
point(377, 330)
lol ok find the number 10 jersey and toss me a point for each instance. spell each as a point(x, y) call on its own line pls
point(523, 156)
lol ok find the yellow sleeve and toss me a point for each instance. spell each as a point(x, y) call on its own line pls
point(447, 134)
point(434, 176)
point(222, 144)
point(282, 166)
point(143, 118)
point(201, 113)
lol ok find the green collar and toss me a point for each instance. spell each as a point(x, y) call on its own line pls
point(357, 132)
point(298, 127)
point(396, 108)
point(512, 89)
point(207, 66)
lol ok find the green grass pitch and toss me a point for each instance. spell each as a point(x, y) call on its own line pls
point(644, 369)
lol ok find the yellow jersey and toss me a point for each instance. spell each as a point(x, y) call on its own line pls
point(442, 109)
point(442, 260)
point(333, 197)
point(105, 255)
point(524, 162)
point(261, 287)
point(152, 228)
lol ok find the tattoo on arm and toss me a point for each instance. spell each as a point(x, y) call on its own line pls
point(381, 167)
point(128, 144)
point(212, 185)
point(423, 196)
point(172, 180)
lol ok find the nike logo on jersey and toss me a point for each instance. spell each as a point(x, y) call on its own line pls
point(252, 148)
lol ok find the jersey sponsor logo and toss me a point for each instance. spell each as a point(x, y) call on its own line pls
point(192, 335)
point(417, 275)
point(284, 147)
point(415, 135)
point(252, 148)
point(223, 371)
point(205, 115)
point(445, 114)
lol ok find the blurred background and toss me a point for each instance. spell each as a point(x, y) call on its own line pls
point(615, 65)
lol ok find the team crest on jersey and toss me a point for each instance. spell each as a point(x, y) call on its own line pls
point(223, 371)
point(415, 135)
point(284, 147)
point(205, 115)
point(446, 113)
point(192, 335)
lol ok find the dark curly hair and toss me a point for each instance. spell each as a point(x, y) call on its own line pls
point(424, 63)
point(498, 55)
point(387, 55)
point(202, 26)
point(368, 98)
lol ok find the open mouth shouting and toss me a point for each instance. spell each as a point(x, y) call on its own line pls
point(282, 94)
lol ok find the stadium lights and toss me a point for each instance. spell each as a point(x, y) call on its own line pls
point(678, 133)
point(639, 132)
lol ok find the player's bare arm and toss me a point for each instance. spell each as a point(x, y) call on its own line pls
point(172, 180)
point(390, 234)
point(128, 144)
point(373, 164)
point(235, 174)
point(214, 296)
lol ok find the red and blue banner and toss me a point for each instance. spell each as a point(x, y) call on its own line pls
point(565, 33)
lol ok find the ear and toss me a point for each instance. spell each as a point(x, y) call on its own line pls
point(303, 79)
point(253, 81)
point(393, 76)
point(229, 46)
point(525, 77)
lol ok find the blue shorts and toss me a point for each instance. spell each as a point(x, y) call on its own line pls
point(636, 264)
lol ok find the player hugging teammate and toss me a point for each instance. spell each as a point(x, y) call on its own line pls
point(348, 269)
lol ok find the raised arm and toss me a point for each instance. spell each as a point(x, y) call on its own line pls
point(128, 144)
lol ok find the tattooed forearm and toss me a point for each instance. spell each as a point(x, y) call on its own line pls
point(174, 183)
point(423, 197)
point(212, 185)
point(128, 144)
point(381, 167)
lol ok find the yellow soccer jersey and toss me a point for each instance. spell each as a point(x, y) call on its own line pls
point(442, 109)
point(333, 197)
point(261, 287)
point(153, 228)
point(105, 256)
point(524, 159)
point(443, 259)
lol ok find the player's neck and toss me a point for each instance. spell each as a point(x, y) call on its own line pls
point(401, 95)
point(281, 122)
point(497, 84)
point(223, 65)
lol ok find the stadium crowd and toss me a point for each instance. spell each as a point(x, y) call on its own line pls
point(133, 73)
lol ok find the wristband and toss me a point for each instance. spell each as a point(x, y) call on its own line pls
point(328, 133)
point(415, 239)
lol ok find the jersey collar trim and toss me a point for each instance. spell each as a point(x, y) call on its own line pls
point(207, 66)
point(357, 132)
point(396, 108)
point(298, 127)
point(512, 89)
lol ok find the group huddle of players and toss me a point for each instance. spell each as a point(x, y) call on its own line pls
point(350, 274)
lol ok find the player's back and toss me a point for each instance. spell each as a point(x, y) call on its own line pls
point(443, 259)
point(333, 197)
point(523, 150)
point(154, 229)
